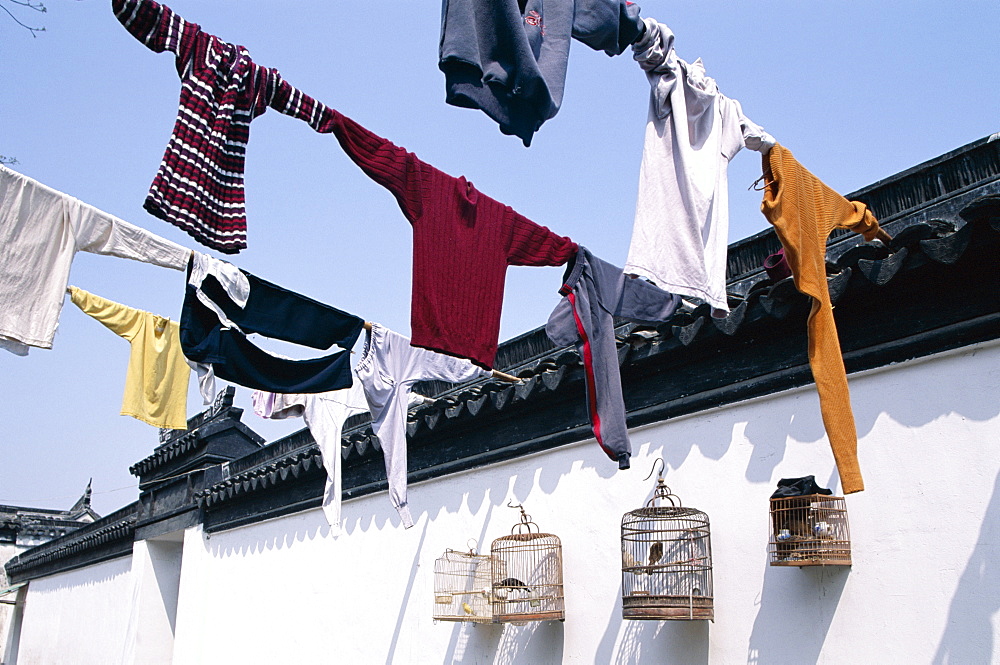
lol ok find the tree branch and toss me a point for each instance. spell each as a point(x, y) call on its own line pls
point(30, 4)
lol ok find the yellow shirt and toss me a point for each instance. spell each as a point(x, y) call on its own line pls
point(156, 384)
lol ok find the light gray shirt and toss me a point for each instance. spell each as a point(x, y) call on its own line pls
point(388, 369)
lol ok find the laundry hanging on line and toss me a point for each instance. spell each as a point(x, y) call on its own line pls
point(324, 415)
point(237, 289)
point(455, 204)
point(594, 293)
point(274, 312)
point(681, 229)
point(156, 383)
point(388, 368)
point(41, 230)
point(199, 184)
point(463, 242)
point(508, 57)
point(233, 281)
point(804, 211)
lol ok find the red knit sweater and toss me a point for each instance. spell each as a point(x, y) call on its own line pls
point(463, 242)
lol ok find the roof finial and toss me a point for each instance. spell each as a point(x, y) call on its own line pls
point(83, 503)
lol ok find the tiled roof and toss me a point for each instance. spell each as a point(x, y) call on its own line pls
point(117, 528)
point(269, 476)
point(176, 448)
point(39, 524)
point(176, 444)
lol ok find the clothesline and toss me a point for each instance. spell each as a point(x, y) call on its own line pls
point(117, 489)
point(496, 373)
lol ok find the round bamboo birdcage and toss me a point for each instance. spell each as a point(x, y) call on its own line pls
point(666, 561)
point(809, 530)
point(462, 587)
point(527, 583)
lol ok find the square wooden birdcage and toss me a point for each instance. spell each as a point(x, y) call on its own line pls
point(526, 573)
point(462, 587)
point(666, 561)
point(809, 530)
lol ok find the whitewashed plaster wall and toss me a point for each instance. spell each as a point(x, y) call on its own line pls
point(156, 569)
point(924, 588)
point(79, 617)
point(7, 552)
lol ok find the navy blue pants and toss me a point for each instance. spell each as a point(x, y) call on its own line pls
point(274, 312)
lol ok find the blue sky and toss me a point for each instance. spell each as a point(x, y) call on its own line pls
point(858, 91)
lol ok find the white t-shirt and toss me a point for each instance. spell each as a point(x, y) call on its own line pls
point(681, 230)
point(41, 230)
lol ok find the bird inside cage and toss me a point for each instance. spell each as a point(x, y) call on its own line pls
point(527, 575)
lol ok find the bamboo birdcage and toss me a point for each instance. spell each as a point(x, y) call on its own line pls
point(527, 582)
point(462, 587)
point(809, 530)
point(666, 561)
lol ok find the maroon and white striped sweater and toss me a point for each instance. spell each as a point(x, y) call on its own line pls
point(199, 185)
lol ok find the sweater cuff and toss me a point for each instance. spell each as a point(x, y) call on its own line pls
point(404, 514)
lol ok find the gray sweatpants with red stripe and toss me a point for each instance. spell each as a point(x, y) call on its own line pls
point(594, 293)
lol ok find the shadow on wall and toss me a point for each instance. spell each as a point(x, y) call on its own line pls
point(663, 642)
point(968, 636)
point(627, 642)
point(943, 392)
point(799, 417)
point(406, 596)
point(96, 575)
point(796, 610)
point(501, 487)
point(538, 643)
point(306, 526)
point(713, 435)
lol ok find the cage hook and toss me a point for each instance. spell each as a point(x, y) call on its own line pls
point(473, 545)
point(525, 519)
point(662, 469)
point(661, 491)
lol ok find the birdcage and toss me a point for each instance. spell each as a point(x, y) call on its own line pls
point(526, 571)
point(666, 560)
point(462, 587)
point(809, 530)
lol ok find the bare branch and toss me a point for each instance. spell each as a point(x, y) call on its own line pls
point(37, 6)
point(9, 161)
point(30, 4)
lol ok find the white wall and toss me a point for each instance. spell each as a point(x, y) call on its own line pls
point(79, 617)
point(924, 587)
point(156, 571)
point(7, 552)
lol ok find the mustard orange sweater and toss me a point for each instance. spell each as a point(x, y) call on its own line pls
point(804, 211)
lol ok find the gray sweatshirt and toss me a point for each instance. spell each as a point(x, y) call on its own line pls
point(595, 292)
point(509, 58)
